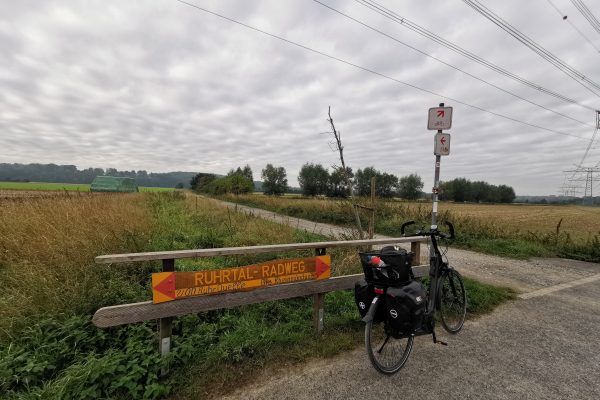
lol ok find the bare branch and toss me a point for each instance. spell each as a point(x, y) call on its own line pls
point(338, 143)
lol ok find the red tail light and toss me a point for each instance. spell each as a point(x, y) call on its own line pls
point(378, 290)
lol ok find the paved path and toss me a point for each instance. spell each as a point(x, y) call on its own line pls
point(542, 346)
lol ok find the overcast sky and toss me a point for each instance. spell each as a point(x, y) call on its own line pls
point(162, 86)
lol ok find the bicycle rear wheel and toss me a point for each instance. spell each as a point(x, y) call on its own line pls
point(453, 301)
point(387, 354)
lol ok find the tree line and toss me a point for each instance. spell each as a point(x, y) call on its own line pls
point(71, 174)
point(241, 180)
point(316, 180)
point(462, 189)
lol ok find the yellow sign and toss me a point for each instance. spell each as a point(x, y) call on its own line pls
point(168, 286)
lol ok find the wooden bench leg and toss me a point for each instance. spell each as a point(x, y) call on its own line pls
point(318, 312)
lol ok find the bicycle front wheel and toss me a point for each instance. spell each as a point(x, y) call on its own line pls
point(387, 354)
point(453, 301)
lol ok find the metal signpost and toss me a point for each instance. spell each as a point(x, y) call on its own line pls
point(439, 118)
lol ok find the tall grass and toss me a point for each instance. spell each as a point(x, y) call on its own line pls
point(47, 250)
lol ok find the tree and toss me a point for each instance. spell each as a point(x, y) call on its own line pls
point(461, 189)
point(274, 180)
point(237, 181)
point(506, 194)
point(479, 191)
point(247, 173)
point(385, 184)
point(337, 135)
point(410, 187)
point(313, 179)
point(201, 180)
point(338, 183)
point(362, 180)
point(238, 184)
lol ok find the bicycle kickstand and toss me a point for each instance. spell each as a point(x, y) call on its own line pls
point(437, 341)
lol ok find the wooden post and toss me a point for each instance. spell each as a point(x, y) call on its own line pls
point(166, 324)
point(415, 247)
point(319, 303)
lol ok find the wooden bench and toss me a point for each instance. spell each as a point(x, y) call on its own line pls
point(165, 312)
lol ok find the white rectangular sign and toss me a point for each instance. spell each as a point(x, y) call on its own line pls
point(439, 118)
point(442, 144)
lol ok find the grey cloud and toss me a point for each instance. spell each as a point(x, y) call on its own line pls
point(162, 86)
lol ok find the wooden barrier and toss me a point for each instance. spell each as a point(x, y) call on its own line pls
point(165, 312)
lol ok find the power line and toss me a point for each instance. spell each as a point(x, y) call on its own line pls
point(448, 64)
point(577, 76)
point(579, 5)
point(402, 21)
point(365, 69)
point(564, 17)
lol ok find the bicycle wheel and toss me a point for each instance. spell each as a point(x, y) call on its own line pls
point(453, 301)
point(387, 354)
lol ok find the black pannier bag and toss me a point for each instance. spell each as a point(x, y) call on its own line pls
point(363, 297)
point(406, 306)
point(389, 266)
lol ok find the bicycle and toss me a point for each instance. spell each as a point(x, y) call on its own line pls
point(387, 346)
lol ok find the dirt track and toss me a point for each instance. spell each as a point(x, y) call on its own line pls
point(542, 346)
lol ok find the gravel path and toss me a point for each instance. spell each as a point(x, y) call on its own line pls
point(541, 346)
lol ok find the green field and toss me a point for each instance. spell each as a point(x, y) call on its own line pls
point(71, 187)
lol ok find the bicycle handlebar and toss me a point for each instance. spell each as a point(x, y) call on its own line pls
point(404, 225)
point(435, 231)
point(451, 229)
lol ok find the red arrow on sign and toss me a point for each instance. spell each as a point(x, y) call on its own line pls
point(440, 113)
point(443, 140)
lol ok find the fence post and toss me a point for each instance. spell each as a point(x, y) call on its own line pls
point(415, 247)
point(166, 324)
point(319, 303)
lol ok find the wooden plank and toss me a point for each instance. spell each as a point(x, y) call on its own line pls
point(144, 311)
point(225, 251)
point(415, 247)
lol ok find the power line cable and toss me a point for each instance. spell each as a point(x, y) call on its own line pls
point(582, 8)
point(564, 17)
point(448, 64)
point(402, 21)
point(365, 69)
point(577, 76)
